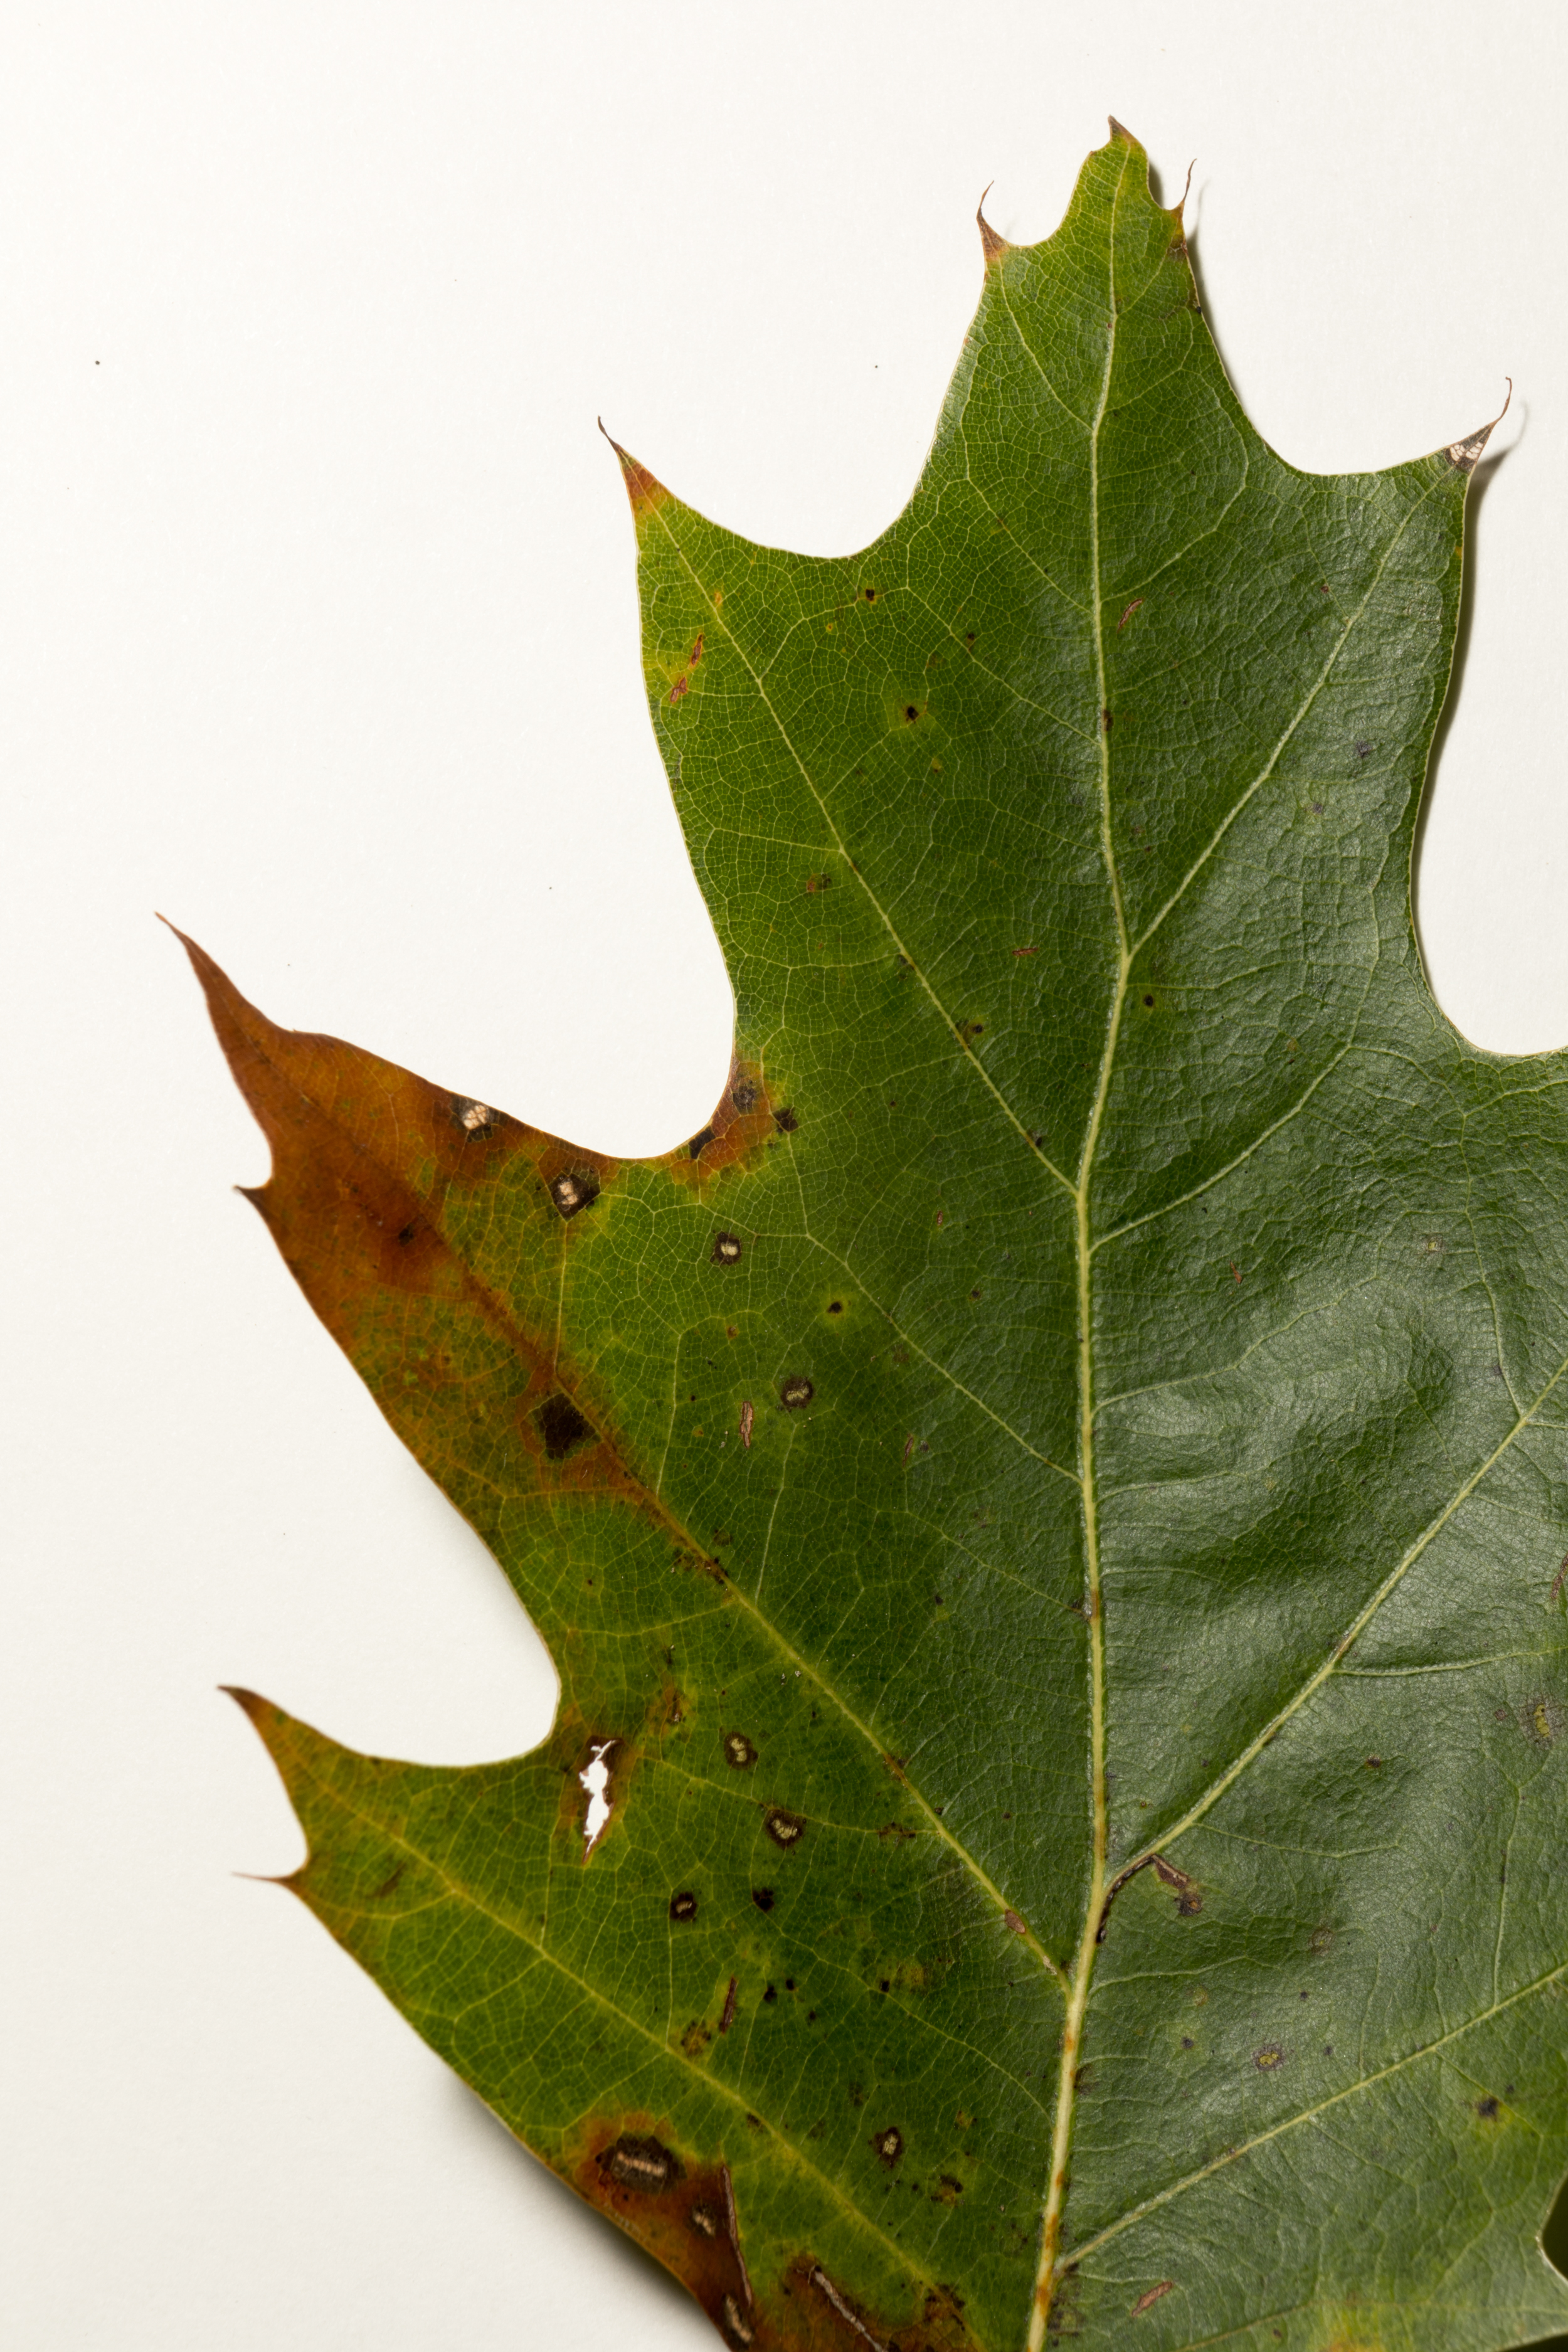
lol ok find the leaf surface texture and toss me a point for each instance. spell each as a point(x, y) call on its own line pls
point(1046, 1510)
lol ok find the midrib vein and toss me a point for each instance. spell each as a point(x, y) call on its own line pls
point(1077, 1995)
point(495, 1312)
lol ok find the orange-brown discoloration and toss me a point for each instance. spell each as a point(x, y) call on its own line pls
point(369, 1164)
point(1146, 2301)
point(737, 1135)
point(645, 491)
point(991, 244)
point(681, 2210)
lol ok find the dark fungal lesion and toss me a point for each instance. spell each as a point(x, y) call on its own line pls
point(562, 1427)
point(683, 1905)
point(727, 1250)
point(796, 1392)
point(573, 1190)
point(785, 1830)
point(637, 2160)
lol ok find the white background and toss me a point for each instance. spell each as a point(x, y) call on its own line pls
point(318, 632)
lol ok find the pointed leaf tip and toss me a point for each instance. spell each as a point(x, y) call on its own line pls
point(249, 1702)
point(1467, 454)
point(1119, 130)
point(645, 491)
point(992, 244)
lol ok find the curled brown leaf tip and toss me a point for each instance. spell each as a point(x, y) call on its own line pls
point(992, 244)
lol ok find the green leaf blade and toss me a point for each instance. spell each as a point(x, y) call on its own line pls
point(1047, 1508)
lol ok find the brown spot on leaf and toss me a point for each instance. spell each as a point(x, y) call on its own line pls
point(786, 1120)
point(888, 2143)
point(726, 1250)
point(562, 1427)
point(796, 1392)
point(637, 2160)
point(738, 1751)
point(683, 1905)
point(763, 1896)
point(1127, 615)
point(728, 2018)
point(734, 1137)
point(1152, 2296)
point(1189, 1898)
point(784, 1829)
point(1486, 2108)
point(733, 2323)
point(1269, 2058)
point(681, 2211)
point(573, 1190)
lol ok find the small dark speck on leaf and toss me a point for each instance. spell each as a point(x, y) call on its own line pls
point(763, 1896)
point(770, 1993)
point(683, 1905)
point(888, 2144)
point(1487, 2108)
point(786, 1120)
point(1375, 1763)
point(836, 1306)
point(695, 1147)
point(562, 1427)
point(910, 712)
point(1187, 2041)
